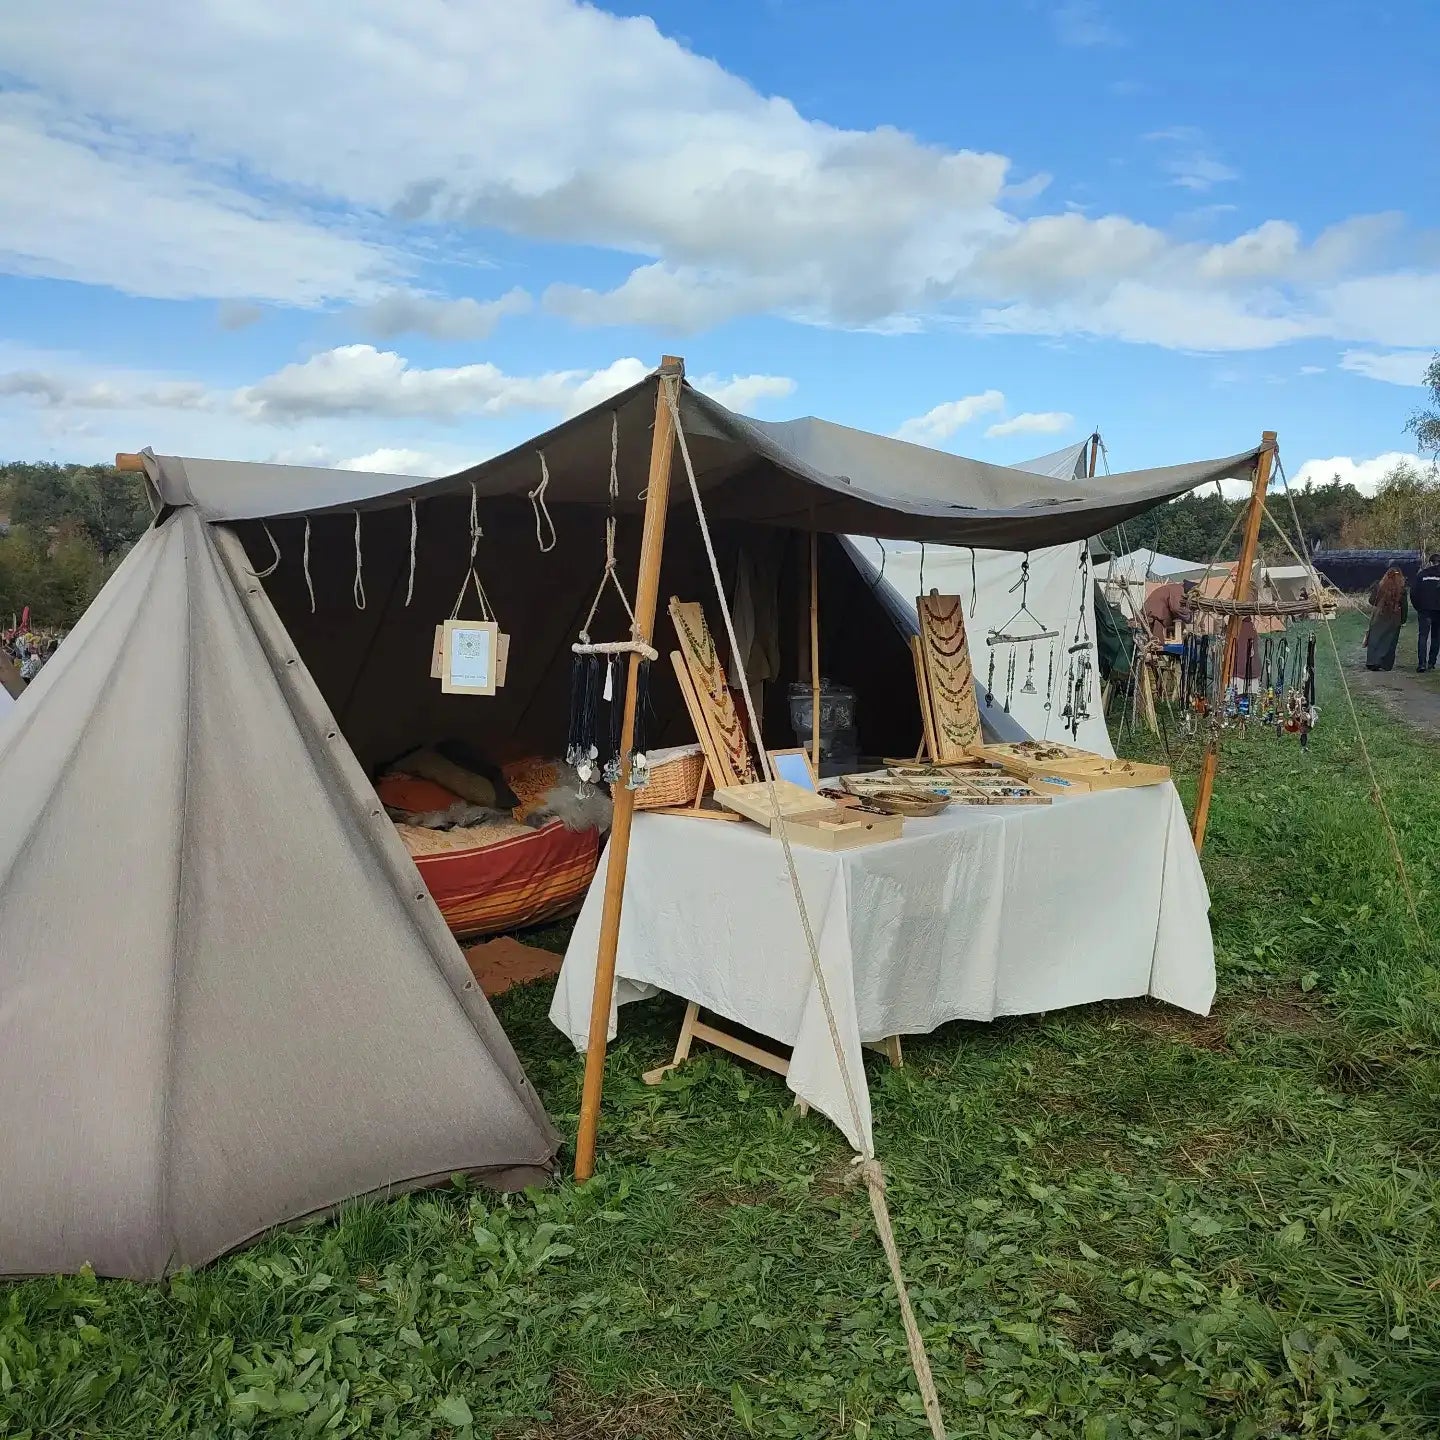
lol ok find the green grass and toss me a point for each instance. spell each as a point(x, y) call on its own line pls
point(1120, 1221)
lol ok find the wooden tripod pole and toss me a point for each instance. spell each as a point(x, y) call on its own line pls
point(647, 592)
point(814, 648)
point(1094, 452)
point(1244, 575)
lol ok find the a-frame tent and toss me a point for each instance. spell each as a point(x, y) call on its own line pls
point(225, 998)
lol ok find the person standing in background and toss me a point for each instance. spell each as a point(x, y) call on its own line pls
point(1425, 597)
point(1166, 607)
point(1387, 618)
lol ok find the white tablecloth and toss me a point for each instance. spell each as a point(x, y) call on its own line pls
point(979, 912)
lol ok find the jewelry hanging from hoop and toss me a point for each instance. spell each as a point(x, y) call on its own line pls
point(1031, 630)
point(596, 674)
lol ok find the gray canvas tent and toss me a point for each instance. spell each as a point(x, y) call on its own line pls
point(226, 999)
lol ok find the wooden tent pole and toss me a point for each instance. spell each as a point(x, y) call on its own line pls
point(1243, 576)
point(647, 592)
point(1094, 451)
point(814, 649)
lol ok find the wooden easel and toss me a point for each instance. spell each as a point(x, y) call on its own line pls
point(692, 1028)
point(716, 771)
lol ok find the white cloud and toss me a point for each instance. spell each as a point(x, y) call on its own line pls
point(1032, 422)
point(361, 380)
point(66, 393)
point(941, 422)
point(740, 392)
point(353, 382)
point(403, 311)
point(1189, 160)
point(558, 121)
point(1400, 367)
point(1312, 369)
point(1364, 475)
point(386, 461)
point(81, 208)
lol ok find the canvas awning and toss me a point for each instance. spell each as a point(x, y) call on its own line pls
point(797, 473)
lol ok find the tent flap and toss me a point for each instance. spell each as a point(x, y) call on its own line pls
point(795, 473)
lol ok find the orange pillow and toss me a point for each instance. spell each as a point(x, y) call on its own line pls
point(410, 792)
point(531, 780)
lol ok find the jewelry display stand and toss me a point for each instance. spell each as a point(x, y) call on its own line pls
point(944, 679)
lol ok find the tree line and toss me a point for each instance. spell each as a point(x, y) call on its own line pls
point(65, 529)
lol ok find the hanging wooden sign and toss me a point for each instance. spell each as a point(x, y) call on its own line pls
point(468, 662)
point(949, 679)
point(437, 655)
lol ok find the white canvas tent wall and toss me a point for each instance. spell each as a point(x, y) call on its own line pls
point(1057, 590)
point(226, 999)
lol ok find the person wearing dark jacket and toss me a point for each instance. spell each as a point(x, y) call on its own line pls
point(1425, 597)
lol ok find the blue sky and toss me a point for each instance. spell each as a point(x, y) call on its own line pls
point(405, 236)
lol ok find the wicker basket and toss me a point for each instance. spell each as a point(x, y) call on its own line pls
point(674, 778)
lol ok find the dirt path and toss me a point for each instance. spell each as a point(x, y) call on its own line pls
point(1413, 698)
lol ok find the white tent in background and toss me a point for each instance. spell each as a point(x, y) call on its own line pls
point(1058, 591)
point(1126, 580)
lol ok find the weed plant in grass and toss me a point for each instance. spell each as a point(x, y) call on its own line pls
point(1120, 1221)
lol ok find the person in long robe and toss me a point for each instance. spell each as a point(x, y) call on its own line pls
point(1389, 611)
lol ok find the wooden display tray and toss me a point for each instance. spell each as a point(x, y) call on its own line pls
point(753, 801)
point(1075, 772)
point(845, 830)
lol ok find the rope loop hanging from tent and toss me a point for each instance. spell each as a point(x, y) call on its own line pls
point(487, 611)
point(274, 564)
point(869, 1167)
point(357, 590)
point(305, 563)
point(537, 503)
point(414, 524)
